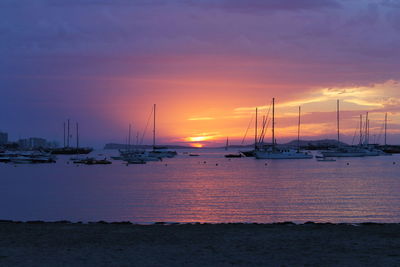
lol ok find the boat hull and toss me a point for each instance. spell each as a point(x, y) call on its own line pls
point(282, 155)
point(343, 154)
point(71, 151)
point(250, 153)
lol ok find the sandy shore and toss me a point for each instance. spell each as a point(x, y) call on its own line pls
point(97, 244)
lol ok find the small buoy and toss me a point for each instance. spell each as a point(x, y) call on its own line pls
point(348, 163)
point(216, 164)
point(394, 162)
point(166, 164)
point(204, 162)
point(266, 164)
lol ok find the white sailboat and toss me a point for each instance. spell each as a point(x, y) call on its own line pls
point(136, 156)
point(343, 151)
point(274, 152)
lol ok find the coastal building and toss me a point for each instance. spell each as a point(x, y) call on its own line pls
point(23, 143)
point(37, 142)
point(3, 138)
point(32, 143)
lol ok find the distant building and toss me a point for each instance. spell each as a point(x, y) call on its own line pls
point(3, 138)
point(23, 143)
point(37, 142)
point(52, 144)
point(32, 143)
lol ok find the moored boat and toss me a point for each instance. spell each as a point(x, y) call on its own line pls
point(93, 161)
point(343, 151)
point(273, 152)
point(282, 154)
point(233, 156)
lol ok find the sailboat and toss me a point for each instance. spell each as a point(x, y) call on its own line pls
point(274, 152)
point(231, 155)
point(135, 156)
point(67, 150)
point(370, 150)
point(159, 152)
point(373, 149)
point(343, 151)
point(252, 153)
point(77, 157)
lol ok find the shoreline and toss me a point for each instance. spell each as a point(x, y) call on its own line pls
point(288, 223)
point(36, 243)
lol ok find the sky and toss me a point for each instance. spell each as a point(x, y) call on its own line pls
point(207, 64)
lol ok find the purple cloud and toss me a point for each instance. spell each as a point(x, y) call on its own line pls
point(266, 5)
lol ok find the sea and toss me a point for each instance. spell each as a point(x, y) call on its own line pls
point(207, 188)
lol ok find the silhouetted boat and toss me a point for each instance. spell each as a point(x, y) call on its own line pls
point(67, 150)
point(343, 151)
point(391, 149)
point(278, 153)
point(26, 157)
point(325, 159)
point(136, 161)
point(233, 156)
point(71, 151)
point(249, 153)
point(158, 152)
point(92, 161)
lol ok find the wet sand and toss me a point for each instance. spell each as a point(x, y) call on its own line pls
point(119, 244)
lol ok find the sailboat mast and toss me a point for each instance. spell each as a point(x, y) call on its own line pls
point(385, 128)
point(338, 126)
point(298, 131)
point(64, 134)
point(227, 143)
point(273, 123)
point(366, 129)
point(255, 130)
point(129, 137)
point(77, 137)
point(68, 134)
point(360, 143)
point(154, 127)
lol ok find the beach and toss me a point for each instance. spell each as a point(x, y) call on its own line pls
point(63, 243)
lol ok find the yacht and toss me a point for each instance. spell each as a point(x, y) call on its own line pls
point(274, 152)
point(343, 151)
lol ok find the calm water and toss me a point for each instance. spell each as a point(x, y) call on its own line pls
point(185, 189)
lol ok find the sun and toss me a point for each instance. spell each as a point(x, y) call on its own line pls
point(197, 145)
point(198, 138)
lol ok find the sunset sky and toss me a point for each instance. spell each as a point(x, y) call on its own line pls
point(206, 64)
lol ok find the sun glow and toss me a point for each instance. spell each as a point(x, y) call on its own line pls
point(201, 119)
point(230, 112)
point(198, 138)
point(197, 145)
